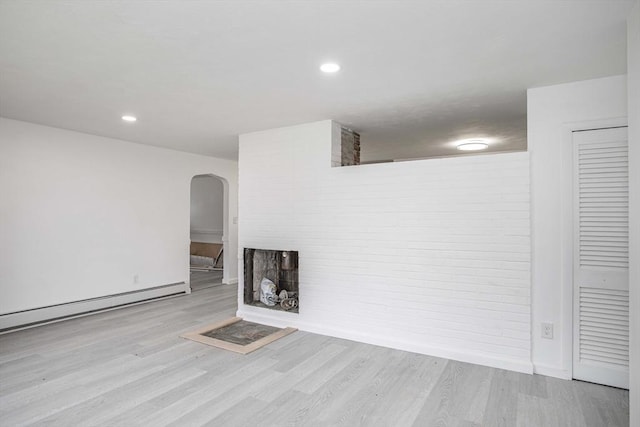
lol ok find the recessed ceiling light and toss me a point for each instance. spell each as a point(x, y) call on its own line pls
point(330, 67)
point(472, 145)
point(129, 118)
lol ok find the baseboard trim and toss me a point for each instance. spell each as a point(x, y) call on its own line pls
point(284, 319)
point(35, 316)
point(551, 371)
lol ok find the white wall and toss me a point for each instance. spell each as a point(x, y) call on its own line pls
point(429, 256)
point(80, 215)
point(633, 64)
point(553, 112)
point(207, 209)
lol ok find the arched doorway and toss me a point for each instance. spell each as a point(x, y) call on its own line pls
point(208, 227)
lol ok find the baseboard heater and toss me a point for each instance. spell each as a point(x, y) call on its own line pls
point(34, 316)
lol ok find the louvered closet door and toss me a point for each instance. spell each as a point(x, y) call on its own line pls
point(601, 257)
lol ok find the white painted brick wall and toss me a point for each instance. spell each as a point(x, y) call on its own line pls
point(430, 256)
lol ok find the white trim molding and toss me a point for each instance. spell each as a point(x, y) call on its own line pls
point(551, 371)
point(231, 281)
point(283, 319)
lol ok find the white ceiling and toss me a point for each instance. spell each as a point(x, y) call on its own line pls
point(415, 75)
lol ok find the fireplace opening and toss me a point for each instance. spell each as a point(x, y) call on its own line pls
point(271, 279)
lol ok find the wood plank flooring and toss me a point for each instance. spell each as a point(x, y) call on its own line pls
point(129, 367)
point(205, 279)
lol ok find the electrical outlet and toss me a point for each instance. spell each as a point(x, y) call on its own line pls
point(136, 278)
point(547, 330)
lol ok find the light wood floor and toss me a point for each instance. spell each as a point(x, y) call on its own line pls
point(205, 279)
point(128, 367)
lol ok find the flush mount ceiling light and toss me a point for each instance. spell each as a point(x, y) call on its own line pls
point(130, 119)
point(330, 67)
point(472, 145)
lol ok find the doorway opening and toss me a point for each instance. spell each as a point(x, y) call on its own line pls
point(207, 232)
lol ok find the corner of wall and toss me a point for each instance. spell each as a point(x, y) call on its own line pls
point(633, 98)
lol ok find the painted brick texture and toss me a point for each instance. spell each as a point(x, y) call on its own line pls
point(431, 256)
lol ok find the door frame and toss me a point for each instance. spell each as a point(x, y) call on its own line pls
point(227, 258)
point(567, 233)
